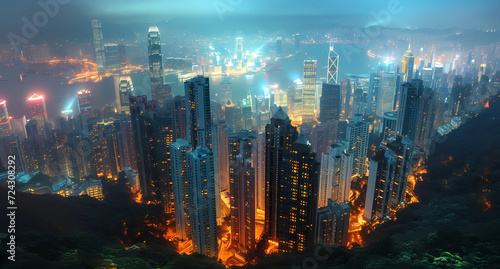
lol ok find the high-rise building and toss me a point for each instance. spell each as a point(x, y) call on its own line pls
point(330, 103)
point(202, 201)
point(106, 156)
point(84, 104)
point(124, 89)
point(298, 41)
point(18, 126)
point(198, 113)
point(371, 104)
point(279, 50)
point(113, 57)
point(309, 91)
point(386, 93)
point(154, 131)
point(332, 224)
point(4, 118)
point(345, 101)
point(238, 50)
point(387, 178)
point(294, 102)
point(225, 92)
point(427, 118)
point(389, 126)
point(458, 97)
point(297, 197)
point(155, 64)
point(180, 186)
point(333, 67)
point(410, 109)
point(280, 135)
point(241, 186)
point(340, 164)
point(357, 135)
point(38, 112)
point(407, 66)
point(98, 45)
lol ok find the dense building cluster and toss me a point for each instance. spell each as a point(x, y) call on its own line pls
point(275, 167)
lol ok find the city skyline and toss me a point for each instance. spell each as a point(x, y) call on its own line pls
point(230, 148)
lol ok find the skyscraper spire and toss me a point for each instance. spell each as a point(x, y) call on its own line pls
point(333, 66)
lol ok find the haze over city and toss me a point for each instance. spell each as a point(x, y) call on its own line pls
point(249, 134)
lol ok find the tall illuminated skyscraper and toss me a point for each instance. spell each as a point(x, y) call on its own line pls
point(180, 185)
point(202, 201)
point(38, 112)
point(309, 91)
point(333, 66)
point(225, 92)
point(155, 63)
point(389, 126)
point(357, 135)
point(198, 113)
point(332, 224)
point(387, 179)
point(4, 118)
point(98, 45)
point(330, 103)
point(298, 41)
point(386, 93)
point(84, 104)
point(410, 109)
point(124, 90)
point(297, 197)
point(340, 172)
point(279, 50)
point(345, 105)
point(280, 135)
point(238, 50)
point(407, 67)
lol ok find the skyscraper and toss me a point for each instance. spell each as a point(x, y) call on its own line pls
point(198, 113)
point(241, 186)
point(38, 112)
point(333, 67)
point(280, 135)
point(357, 135)
point(238, 50)
point(98, 45)
point(154, 131)
point(297, 197)
point(387, 179)
point(180, 186)
point(4, 118)
point(298, 41)
point(340, 164)
point(309, 91)
point(386, 93)
point(410, 109)
point(332, 224)
point(124, 90)
point(225, 92)
point(330, 103)
point(202, 201)
point(84, 104)
point(155, 64)
point(345, 102)
point(371, 104)
point(279, 50)
point(427, 118)
point(407, 66)
point(389, 126)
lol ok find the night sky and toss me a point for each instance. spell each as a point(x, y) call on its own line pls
point(205, 15)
